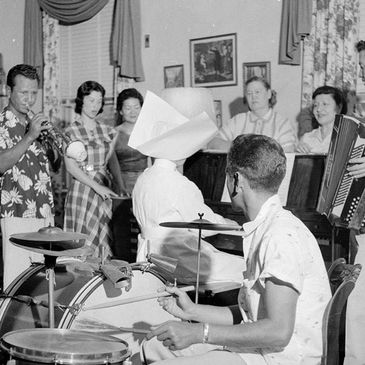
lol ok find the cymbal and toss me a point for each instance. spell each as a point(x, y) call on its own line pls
point(50, 250)
point(49, 234)
point(202, 224)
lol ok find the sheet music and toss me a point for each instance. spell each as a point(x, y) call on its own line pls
point(284, 187)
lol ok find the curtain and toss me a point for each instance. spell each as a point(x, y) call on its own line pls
point(126, 39)
point(329, 52)
point(296, 19)
point(66, 11)
point(33, 37)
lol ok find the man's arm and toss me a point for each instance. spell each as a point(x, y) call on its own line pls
point(275, 329)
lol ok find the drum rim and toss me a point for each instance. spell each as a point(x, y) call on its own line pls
point(49, 357)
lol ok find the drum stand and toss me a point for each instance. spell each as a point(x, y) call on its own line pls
point(50, 263)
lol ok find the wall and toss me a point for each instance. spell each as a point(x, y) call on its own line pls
point(171, 23)
point(12, 37)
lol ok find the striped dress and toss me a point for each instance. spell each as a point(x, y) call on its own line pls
point(85, 211)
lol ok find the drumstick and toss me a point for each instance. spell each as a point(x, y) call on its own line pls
point(102, 327)
point(135, 299)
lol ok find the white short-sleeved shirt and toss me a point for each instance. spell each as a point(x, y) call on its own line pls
point(278, 245)
point(272, 125)
point(315, 141)
point(163, 194)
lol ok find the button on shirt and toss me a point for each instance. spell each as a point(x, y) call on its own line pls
point(278, 245)
point(272, 125)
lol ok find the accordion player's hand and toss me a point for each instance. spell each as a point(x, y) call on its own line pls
point(356, 167)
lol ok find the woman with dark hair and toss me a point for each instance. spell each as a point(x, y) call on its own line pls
point(327, 102)
point(132, 163)
point(261, 119)
point(88, 206)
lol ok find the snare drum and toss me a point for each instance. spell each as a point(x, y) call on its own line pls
point(55, 346)
point(73, 290)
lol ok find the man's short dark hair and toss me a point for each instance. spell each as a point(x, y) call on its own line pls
point(27, 71)
point(260, 159)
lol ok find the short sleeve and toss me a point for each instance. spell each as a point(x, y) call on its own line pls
point(281, 260)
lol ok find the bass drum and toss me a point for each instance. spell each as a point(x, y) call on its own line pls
point(74, 290)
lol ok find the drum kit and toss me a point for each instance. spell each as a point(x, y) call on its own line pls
point(90, 324)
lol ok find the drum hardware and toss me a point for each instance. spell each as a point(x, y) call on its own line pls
point(135, 299)
point(163, 262)
point(52, 242)
point(200, 224)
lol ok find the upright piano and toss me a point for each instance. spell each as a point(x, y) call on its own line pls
point(207, 171)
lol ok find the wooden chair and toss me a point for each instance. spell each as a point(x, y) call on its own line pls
point(342, 278)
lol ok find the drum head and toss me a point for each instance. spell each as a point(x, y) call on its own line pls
point(51, 346)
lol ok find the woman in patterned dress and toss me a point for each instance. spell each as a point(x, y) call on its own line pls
point(88, 206)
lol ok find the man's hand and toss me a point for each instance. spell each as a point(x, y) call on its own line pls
point(177, 335)
point(38, 123)
point(179, 304)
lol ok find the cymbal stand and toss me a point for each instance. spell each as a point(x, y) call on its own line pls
point(198, 261)
point(50, 263)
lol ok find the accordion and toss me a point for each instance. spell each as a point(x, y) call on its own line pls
point(341, 195)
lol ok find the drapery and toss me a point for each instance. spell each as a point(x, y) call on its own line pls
point(296, 22)
point(72, 11)
point(329, 56)
point(126, 39)
point(66, 11)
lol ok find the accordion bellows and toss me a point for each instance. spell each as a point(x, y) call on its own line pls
point(341, 195)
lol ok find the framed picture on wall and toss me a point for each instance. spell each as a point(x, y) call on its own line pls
point(261, 69)
point(218, 112)
point(213, 61)
point(173, 76)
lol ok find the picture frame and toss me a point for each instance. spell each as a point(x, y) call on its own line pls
point(173, 76)
point(218, 112)
point(261, 69)
point(213, 61)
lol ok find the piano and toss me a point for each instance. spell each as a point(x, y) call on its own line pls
point(207, 171)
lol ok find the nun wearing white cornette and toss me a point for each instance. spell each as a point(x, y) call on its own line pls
point(170, 129)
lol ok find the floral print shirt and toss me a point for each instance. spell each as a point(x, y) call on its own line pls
point(26, 190)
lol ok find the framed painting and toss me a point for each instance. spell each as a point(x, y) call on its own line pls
point(261, 69)
point(213, 61)
point(173, 76)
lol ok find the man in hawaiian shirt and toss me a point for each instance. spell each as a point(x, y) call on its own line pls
point(25, 184)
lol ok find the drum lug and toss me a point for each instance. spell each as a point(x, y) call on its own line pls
point(76, 309)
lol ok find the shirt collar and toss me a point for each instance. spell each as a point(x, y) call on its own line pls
point(272, 204)
point(254, 118)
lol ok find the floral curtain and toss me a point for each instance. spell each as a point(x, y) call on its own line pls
point(51, 99)
point(329, 51)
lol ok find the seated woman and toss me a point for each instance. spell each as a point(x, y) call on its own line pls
point(261, 119)
point(132, 163)
point(327, 102)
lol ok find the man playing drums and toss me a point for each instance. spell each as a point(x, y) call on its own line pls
point(285, 290)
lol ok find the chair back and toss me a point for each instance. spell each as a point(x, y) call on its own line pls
point(342, 278)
